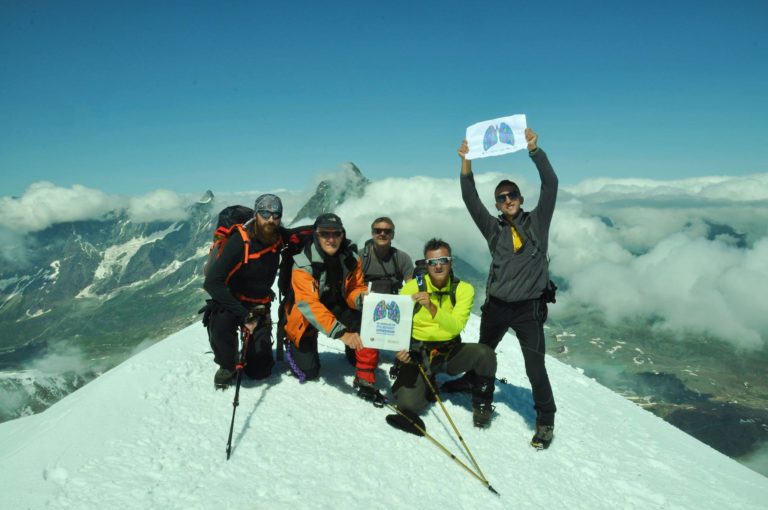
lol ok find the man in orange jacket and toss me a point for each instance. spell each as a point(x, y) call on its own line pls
point(327, 283)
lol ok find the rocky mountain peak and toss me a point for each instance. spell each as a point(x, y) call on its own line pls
point(333, 191)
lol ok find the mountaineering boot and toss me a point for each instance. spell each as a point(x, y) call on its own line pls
point(543, 436)
point(407, 424)
point(367, 391)
point(482, 396)
point(482, 414)
point(462, 384)
point(223, 378)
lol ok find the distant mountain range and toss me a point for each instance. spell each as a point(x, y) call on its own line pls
point(86, 295)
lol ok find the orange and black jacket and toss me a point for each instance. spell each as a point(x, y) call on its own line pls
point(237, 286)
point(308, 283)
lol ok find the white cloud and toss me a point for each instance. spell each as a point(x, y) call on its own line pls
point(683, 252)
point(44, 204)
point(692, 253)
point(695, 252)
point(689, 283)
point(158, 205)
point(738, 189)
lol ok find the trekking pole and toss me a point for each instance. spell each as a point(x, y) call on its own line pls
point(456, 430)
point(245, 338)
point(443, 448)
point(280, 335)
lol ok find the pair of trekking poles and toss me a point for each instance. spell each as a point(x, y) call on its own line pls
point(245, 337)
point(477, 472)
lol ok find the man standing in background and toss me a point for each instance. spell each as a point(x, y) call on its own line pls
point(385, 268)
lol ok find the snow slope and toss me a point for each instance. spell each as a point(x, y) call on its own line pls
point(151, 433)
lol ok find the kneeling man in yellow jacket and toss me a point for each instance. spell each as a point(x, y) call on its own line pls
point(442, 307)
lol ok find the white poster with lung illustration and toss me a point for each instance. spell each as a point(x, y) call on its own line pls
point(386, 322)
point(496, 137)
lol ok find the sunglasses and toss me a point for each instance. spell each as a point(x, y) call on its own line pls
point(439, 260)
point(502, 197)
point(269, 214)
point(382, 231)
point(330, 234)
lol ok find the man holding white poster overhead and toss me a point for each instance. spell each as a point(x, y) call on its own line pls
point(442, 307)
point(518, 288)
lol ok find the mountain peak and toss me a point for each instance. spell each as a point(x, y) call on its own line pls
point(334, 191)
point(206, 198)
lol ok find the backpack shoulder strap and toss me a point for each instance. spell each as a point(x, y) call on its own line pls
point(527, 232)
point(398, 271)
point(365, 255)
point(246, 240)
point(368, 253)
point(526, 223)
point(454, 285)
point(422, 284)
point(495, 239)
point(246, 248)
point(451, 292)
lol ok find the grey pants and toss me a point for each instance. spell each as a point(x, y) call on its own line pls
point(411, 390)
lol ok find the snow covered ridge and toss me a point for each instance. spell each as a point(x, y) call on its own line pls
point(151, 433)
point(116, 258)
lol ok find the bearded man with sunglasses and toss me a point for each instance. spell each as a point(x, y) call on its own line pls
point(518, 276)
point(328, 287)
point(242, 292)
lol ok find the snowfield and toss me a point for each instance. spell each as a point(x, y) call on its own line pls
point(151, 434)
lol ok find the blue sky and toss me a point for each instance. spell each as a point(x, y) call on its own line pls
point(132, 96)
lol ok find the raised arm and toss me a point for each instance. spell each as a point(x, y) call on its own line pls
point(484, 220)
point(549, 182)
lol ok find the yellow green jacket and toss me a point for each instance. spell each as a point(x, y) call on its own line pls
point(449, 320)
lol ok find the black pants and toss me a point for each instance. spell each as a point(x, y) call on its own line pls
point(224, 337)
point(410, 388)
point(526, 318)
point(305, 355)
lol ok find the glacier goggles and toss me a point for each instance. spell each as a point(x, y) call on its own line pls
point(502, 197)
point(269, 214)
point(439, 261)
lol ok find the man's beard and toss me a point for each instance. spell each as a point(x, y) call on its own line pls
point(263, 234)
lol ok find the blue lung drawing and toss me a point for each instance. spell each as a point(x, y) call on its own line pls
point(393, 312)
point(505, 134)
point(380, 311)
point(490, 138)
